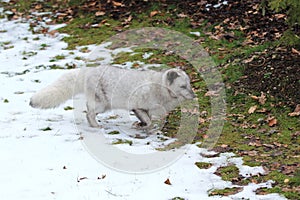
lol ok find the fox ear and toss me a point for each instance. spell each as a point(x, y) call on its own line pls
point(171, 76)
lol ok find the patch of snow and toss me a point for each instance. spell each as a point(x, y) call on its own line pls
point(196, 33)
point(208, 6)
point(147, 55)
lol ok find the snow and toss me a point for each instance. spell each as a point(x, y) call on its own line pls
point(218, 5)
point(56, 164)
point(195, 33)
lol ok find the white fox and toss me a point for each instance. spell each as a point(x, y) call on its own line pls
point(146, 93)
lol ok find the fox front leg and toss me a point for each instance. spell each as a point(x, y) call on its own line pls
point(143, 116)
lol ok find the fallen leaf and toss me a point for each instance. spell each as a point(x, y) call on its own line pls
point(153, 13)
point(81, 178)
point(262, 99)
point(294, 114)
point(286, 180)
point(182, 15)
point(99, 13)
point(53, 33)
point(295, 51)
point(205, 136)
point(249, 153)
point(201, 120)
point(102, 177)
point(271, 146)
point(263, 110)
point(38, 6)
point(256, 143)
point(168, 182)
point(129, 18)
point(296, 134)
point(280, 16)
point(272, 121)
point(117, 4)
point(296, 111)
point(250, 60)
point(252, 109)
point(211, 93)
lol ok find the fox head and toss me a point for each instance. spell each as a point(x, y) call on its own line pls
point(178, 84)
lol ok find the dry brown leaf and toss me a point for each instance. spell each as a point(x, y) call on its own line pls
point(294, 114)
point(211, 93)
point(153, 13)
point(182, 15)
point(296, 111)
point(53, 33)
point(262, 99)
point(117, 4)
point(272, 121)
point(280, 16)
point(99, 13)
point(295, 51)
point(102, 177)
point(201, 120)
point(263, 110)
point(129, 18)
point(252, 109)
point(38, 6)
point(168, 182)
point(81, 178)
point(249, 59)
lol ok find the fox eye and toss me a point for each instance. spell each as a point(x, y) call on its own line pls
point(183, 86)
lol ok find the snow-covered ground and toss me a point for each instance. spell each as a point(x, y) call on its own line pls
point(42, 155)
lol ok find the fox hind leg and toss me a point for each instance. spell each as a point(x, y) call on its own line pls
point(93, 109)
point(143, 116)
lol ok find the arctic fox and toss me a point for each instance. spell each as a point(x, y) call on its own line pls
point(147, 93)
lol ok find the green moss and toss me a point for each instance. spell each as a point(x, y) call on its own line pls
point(113, 133)
point(121, 141)
point(178, 198)
point(80, 32)
point(68, 108)
point(228, 173)
point(58, 57)
point(46, 129)
point(203, 165)
point(225, 191)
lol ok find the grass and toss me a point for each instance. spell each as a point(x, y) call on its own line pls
point(228, 173)
point(225, 191)
point(80, 36)
point(203, 165)
point(121, 141)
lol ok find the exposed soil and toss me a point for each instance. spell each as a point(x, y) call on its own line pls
point(275, 72)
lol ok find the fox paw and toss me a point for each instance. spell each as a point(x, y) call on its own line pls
point(140, 125)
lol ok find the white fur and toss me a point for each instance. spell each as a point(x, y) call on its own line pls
point(147, 93)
